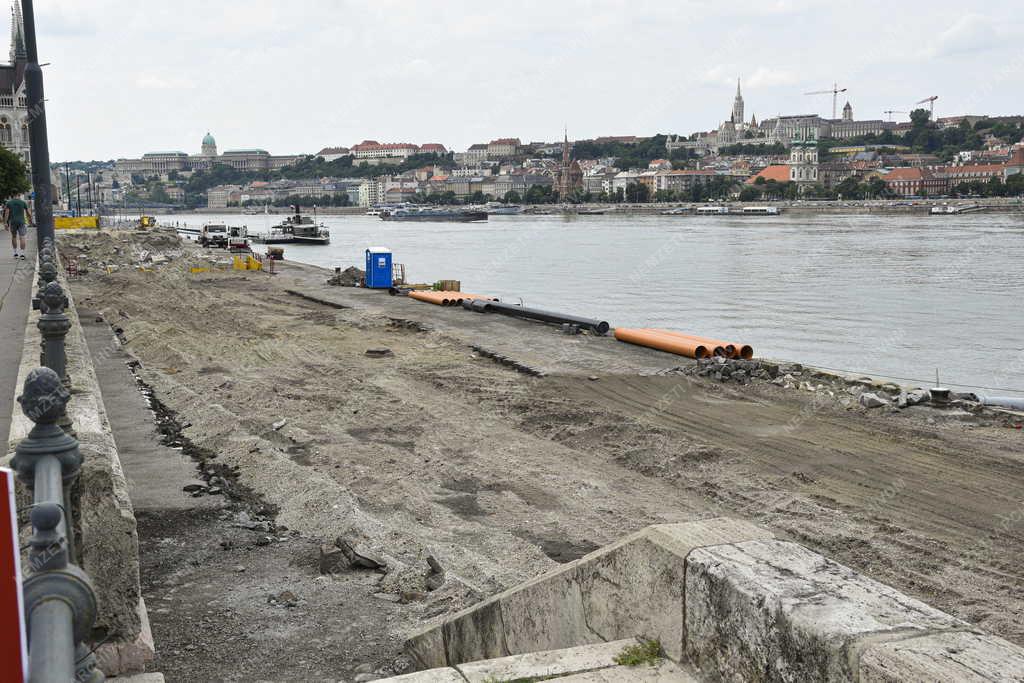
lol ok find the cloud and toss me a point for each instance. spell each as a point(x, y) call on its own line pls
point(764, 77)
point(459, 72)
point(971, 33)
point(155, 82)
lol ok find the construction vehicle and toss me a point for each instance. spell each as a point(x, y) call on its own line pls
point(214, 235)
point(238, 239)
point(147, 222)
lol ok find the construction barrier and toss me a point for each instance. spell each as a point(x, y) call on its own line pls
point(75, 222)
point(247, 263)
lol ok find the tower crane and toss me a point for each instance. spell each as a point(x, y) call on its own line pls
point(890, 112)
point(835, 96)
point(931, 105)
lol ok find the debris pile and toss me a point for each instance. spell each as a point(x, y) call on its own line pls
point(731, 370)
point(350, 277)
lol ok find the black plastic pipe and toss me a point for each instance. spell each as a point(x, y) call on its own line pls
point(597, 326)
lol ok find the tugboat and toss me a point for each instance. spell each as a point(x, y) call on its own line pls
point(306, 230)
point(296, 229)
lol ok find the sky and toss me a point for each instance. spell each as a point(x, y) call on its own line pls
point(293, 77)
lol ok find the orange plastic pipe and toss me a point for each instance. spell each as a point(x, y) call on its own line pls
point(721, 348)
point(732, 349)
point(663, 342)
point(714, 347)
point(442, 298)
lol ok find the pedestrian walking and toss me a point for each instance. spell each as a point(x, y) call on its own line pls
point(15, 212)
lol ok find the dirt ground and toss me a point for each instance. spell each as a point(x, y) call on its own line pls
point(435, 450)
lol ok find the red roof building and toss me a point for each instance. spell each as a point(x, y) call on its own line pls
point(777, 172)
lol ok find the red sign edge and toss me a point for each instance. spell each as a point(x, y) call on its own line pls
point(7, 476)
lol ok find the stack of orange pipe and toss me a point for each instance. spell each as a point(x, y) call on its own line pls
point(446, 298)
point(682, 344)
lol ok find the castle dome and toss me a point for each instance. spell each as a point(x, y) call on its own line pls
point(208, 139)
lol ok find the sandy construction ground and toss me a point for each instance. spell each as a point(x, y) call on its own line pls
point(437, 450)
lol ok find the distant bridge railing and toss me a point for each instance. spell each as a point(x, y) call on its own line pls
point(60, 603)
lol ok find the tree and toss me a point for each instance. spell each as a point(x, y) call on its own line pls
point(637, 193)
point(512, 197)
point(159, 194)
point(920, 118)
point(749, 194)
point(13, 175)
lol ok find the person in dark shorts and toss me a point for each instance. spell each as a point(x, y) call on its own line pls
point(15, 211)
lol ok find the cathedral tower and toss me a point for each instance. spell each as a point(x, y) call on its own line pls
point(737, 106)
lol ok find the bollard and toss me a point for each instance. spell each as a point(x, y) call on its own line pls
point(53, 325)
point(60, 603)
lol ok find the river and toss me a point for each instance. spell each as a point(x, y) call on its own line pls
point(889, 296)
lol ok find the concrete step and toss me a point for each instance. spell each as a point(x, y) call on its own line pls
point(724, 597)
point(578, 664)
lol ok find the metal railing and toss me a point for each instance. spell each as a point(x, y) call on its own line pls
point(60, 603)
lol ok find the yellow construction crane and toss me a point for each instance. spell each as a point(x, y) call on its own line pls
point(931, 105)
point(835, 96)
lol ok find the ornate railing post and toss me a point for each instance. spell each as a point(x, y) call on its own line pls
point(47, 274)
point(53, 325)
point(60, 604)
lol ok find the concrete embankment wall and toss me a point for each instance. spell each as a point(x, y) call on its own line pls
point(726, 599)
point(105, 535)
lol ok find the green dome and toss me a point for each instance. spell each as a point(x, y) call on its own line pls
point(208, 139)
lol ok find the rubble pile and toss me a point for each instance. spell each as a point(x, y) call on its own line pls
point(350, 277)
point(110, 251)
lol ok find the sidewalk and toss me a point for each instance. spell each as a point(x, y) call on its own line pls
point(17, 281)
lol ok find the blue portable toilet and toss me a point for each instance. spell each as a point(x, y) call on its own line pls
point(378, 268)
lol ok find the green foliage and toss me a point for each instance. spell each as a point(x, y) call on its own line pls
point(627, 155)
point(647, 652)
point(994, 187)
point(637, 193)
point(749, 194)
point(512, 197)
point(540, 194)
point(311, 167)
point(775, 149)
point(13, 175)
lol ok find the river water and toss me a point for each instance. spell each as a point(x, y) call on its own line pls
point(890, 296)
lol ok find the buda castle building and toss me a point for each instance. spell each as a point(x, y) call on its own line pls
point(161, 163)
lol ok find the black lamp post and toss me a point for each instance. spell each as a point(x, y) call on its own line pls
point(37, 129)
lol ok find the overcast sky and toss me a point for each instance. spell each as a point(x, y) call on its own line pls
point(293, 77)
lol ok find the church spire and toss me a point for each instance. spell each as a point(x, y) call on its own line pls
point(18, 50)
point(738, 94)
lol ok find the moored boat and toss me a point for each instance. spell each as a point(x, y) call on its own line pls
point(433, 214)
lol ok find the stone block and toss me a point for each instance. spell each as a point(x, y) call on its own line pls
point(665, 671)
point(638, 590)
point(154, 677)
point(542, 665)
point(427, 648)
point(432, 676)
point(773, 610)
point(545, 614)
point(963, 656)
point(476, 633)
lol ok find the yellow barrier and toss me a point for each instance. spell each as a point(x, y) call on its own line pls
point(247, 263)
point(74, 222)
